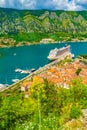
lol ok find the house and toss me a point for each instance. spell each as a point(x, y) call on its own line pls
point(25, 86)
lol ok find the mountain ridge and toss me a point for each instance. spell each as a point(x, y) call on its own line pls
point(32, 26)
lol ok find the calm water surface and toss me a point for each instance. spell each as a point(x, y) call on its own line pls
point(28, 57)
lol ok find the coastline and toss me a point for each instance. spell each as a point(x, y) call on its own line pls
point(37, 72)
point(43, 49)
point(38, 43)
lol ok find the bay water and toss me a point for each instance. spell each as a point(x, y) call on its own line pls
point(28, 57)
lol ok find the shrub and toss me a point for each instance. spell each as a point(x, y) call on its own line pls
point(48, 106)
point(75, 111)
point(78, 71)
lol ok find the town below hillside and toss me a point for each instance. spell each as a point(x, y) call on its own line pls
point(26, 27)
point(54, 98)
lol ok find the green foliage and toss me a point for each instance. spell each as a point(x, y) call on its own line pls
point(65, 61)
point(28, 37)
point(84, 56)
point(78, 71)
point(48, 106)
point(34, 25)
point(75, 111)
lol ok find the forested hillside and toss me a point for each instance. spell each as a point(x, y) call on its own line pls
point(33, 25)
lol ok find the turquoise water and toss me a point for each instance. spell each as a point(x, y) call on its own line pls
point(28, 57)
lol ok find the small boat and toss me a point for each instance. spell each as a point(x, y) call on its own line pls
point(2, 86)
point(14, 54)
point(18, 70)
point(15, 80)
point(32, 70)
point(22, 71)
point(25, 72)
point(6, 85)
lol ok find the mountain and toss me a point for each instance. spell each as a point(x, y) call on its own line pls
point(20, 27)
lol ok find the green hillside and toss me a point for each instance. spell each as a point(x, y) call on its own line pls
point(20, 27)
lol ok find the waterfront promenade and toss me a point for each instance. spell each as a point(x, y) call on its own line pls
point(37, 72)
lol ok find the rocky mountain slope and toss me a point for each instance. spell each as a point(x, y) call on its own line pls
point(34, 25)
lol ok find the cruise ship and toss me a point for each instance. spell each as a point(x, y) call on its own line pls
point(57, 53)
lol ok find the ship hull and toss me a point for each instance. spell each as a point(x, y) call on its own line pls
point(52, 59)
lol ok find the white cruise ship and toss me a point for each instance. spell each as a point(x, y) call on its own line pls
point(56, 53)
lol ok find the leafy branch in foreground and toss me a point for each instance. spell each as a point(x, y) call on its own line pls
point(48, 106)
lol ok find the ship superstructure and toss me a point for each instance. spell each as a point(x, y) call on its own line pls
point(57, 53)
